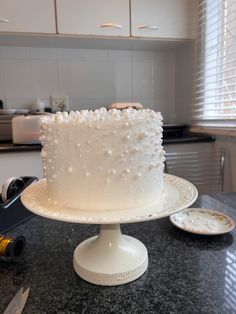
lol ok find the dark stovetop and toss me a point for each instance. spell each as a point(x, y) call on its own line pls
point(179, 134)
point(189, 138)
point(186, 274)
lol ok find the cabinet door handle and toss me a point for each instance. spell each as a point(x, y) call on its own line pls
point(111, 25)
point(4, 20)
point(149, 27)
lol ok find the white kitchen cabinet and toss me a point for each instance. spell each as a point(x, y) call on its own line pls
point(20, 164)
point(89, 17)
point(171, 19)
point(27, 16)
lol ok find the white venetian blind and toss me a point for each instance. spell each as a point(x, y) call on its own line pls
point(214, 93)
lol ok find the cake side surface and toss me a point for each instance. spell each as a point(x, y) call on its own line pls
point(103, 160)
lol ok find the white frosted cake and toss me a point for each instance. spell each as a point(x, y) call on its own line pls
point(103, 160)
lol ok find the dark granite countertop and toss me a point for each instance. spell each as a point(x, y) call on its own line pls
point(189, 138)
point(9, 147)
point(187, 273)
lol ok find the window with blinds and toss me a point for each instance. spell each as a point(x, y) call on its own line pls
point(214, 92)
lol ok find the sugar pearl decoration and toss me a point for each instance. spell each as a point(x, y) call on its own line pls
point(143, 134)
point(108, 153)
point(137, 175)
point(151, 166)
point(69, 170)
point(120, 141)
point(125, 172)
point(136, 150)
point(111, 171)
point(43, 153)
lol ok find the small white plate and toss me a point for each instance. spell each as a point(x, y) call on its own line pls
point(202, 221)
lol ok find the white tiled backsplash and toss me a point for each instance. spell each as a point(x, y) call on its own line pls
point(91, 78)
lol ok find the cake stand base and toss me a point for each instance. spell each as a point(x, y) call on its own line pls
point(110, 258)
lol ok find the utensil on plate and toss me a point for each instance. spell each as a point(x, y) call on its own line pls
point(17, 304)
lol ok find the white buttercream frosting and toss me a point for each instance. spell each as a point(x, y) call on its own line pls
point(103, 160)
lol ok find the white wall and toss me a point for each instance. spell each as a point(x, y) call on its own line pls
point(183, 79)
point(90, 77)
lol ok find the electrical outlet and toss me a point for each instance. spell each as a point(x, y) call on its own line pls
point(59, 103)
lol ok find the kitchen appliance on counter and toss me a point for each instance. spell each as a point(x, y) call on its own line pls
point(6, 127)
point(6, 116)
point(25, 128)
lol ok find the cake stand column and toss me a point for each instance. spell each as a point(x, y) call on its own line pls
point(110, 258)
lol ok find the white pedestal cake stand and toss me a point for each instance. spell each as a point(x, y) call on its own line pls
point(111, 258)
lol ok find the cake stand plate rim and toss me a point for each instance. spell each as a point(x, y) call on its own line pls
point(34, 199)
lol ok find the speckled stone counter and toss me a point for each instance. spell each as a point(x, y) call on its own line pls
point(186, 274)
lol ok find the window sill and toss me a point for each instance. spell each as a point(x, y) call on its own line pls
point(214, 131)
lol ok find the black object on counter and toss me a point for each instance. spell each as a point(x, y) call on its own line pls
point(12, 249)
point(174, 130)
point(174, 133)
point(12, 211)
point(1, 104)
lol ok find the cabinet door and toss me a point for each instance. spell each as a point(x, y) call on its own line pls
point(89, 17)
point(27, 16)
point(162, 18)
